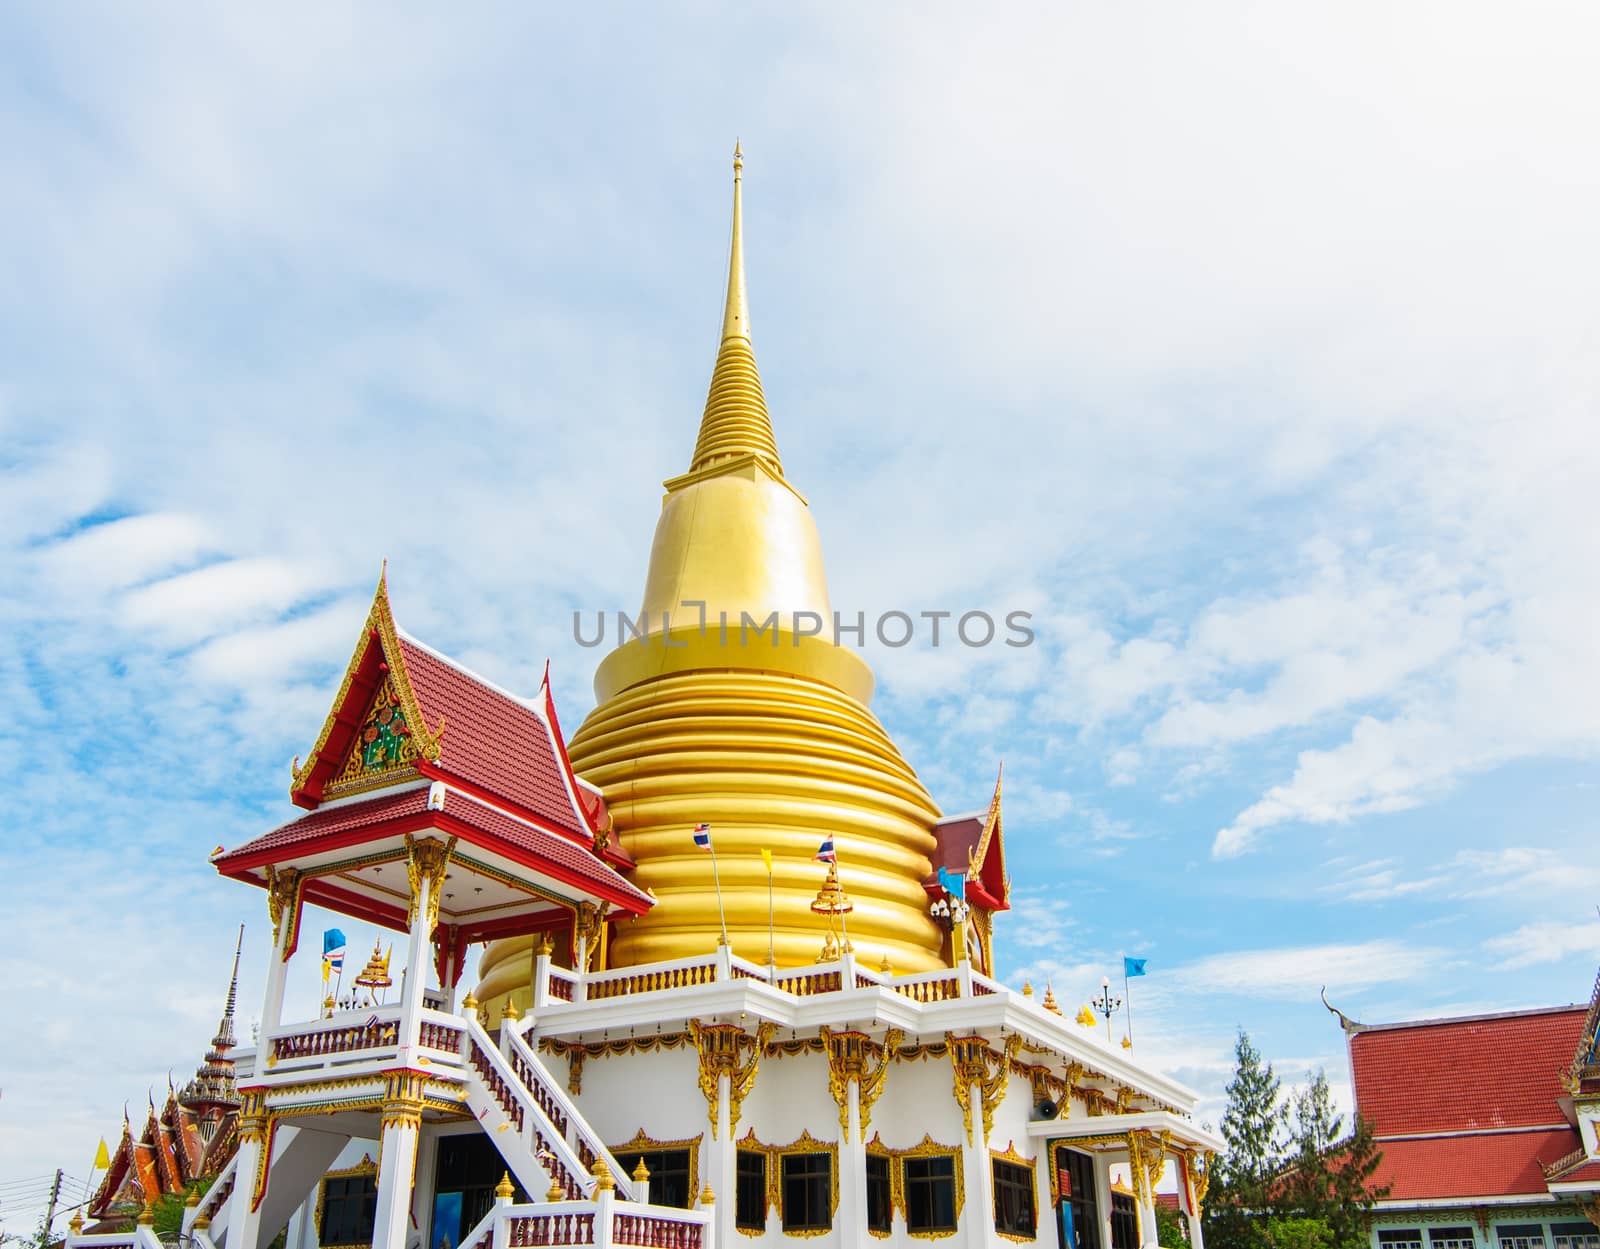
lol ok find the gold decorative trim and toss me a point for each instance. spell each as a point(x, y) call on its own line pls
point(365, 1167)
point(750, 1145)
point(615, 1049)
point(587, 923)
point(642, 1143)
point(427, 860)
point(805, 1144)
point(380, 631)
point(284, 886)
point(1010, 1155)
point(575, 1059)
point(848, 1053)
point(719, 1046)
point(929, 1148)
point(875, 1148)
point(975, 1063)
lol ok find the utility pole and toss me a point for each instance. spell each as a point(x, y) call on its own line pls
point(50, 1214)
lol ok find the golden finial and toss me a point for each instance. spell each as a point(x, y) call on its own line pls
point(707, 1197)
point(202, 1222)
point(1050, 999)
point(505, 1190)
point(470, 1003)
point(75, 1223)
point(193, 1199)
point(544, 949)
point(147, 1216)
point(641, 1172)
point(1127, 1042)
point(510, 1013)
point(885, 966)
point(603, 1183)
point(1027, 988)
point(555, 1192)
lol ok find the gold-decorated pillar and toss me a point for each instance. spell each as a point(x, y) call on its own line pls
point(397, 1157)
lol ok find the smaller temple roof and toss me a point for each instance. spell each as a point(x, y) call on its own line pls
point(1480, 1164)
point(974, 844)
point(495, 841)
point(1455, 1075)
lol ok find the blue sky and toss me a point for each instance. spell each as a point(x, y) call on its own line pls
point(1252, 348)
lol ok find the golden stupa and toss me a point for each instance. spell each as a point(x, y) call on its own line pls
point(765, 736)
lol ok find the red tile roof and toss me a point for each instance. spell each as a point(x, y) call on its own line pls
point(1485, 1164)
point(408, 811)
point(491, 741)
point(1588, 1173)
point(1464, 1074)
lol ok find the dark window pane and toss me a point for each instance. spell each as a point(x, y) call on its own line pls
point(1013, 1199)
point(349, 1208)
point(880, 1205)
point(750, 1210)
point(807, 1184)
point(669, 1174)
point(930, 1193)
point(1124, 1223)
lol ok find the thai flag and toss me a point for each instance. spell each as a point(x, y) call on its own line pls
point(824, 852)
point(702, 836)
point(372, 1022)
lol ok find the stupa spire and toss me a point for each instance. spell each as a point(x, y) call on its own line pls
point(735, 422)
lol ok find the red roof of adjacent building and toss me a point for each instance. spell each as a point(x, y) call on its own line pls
point(1452, 1075)
point(1499, 1164)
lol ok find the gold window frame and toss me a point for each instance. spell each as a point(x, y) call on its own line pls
point(644, 1143)
point(1011, 1157)
point(928, 1148)
point(804, 1144)
point(365, 1167)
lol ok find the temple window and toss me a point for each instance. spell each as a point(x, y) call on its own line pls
point(1013, 1200)
point(1124, 1223)
point(1399, 1238)
point(1075, 1176)
point(807, 1186)
point(930, 1186)
point(669, 1174)
point(1460, 1238)
point(349, 1207)
point(1575, 1235)
point(750, 1190)
point(1520, 1235)
point(880, 1194)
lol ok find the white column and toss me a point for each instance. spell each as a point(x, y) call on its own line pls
point(723, 1160)
point(979, 1212)
point(244, 1219)
point(853, 1165)
point(1145, 1203)
point(1102, 1196)
point(397, 1163)
point(416, 972)
point(277, 977)
point(541, 975)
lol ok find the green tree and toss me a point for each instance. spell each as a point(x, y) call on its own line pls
point(1330, 1176)
point(1171, 1233)
point(1255, 1128)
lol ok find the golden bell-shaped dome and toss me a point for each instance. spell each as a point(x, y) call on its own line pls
point(739, 708)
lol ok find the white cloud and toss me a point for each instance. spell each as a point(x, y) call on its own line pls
point(1544, 942)
point(1301, 971)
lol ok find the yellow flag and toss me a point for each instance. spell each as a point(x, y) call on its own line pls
point(1086, 1017)
point(766, 857)
point(327, 970)
point(102, 1159)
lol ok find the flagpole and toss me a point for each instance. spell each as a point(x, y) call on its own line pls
point(844, 923)
point(1127, 996)
point(722, 918)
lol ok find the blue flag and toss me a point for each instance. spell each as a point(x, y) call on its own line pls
point(332, 940)
point(953, 883)
point(1133, 966)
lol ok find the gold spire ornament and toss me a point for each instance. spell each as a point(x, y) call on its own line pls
point(833, 904)
point(375, 975)
point(763, 734)
point(505, 1190)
